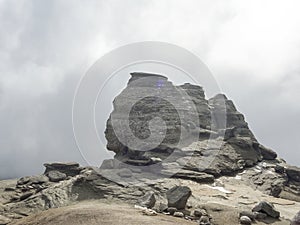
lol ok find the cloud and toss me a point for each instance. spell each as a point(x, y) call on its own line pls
point(45, 47)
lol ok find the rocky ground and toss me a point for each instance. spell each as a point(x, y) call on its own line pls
point(88, 196)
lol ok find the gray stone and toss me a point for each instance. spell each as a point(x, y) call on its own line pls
point(126, 173)
point(178, 214)
point(178, 196)
point(56, 176)
point(268, 208)
point(267, 154)
point(296, 219)
point(162, 207)
point(39, 179)
point(293, 173)
point(108, 164)
point(249, 214)
point(171, 210)
point(239, 143)
point(245, 220)
point(148, 200)
point(279, 169)
point(204, 220)
point(198, 213)
point(69, 168)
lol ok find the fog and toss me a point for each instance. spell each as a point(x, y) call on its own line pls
point(252, 49)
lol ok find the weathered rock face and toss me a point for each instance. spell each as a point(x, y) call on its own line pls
point(197, 130)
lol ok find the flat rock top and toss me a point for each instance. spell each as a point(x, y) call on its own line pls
point(94, 213)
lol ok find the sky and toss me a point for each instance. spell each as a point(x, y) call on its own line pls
point(251, 48)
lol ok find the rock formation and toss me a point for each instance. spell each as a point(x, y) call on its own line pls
point(217, 139)
point(199, 162)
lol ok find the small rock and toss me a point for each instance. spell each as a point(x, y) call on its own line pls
point(23, 180)
point(186, 212)
point(162, 207)
point(204, 220)
point(267, 208)
point(248, 214)
point(148, 200)
point(293, 173)
point(126, 173)
point(245, 220)
point(178, 196)
point(296, 219)
point(178, 214)
point(149, 212)
point(26, 195)
point(10, 189)
point(171, 210)
point(279, 169)
point(56, 176)
point(198, 213)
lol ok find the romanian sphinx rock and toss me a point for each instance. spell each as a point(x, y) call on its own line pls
point(176, 128)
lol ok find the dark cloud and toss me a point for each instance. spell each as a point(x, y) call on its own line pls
point(45, 47)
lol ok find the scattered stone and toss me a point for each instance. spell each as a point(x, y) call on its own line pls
point(199, 212)
point(268, 208)
point(178, 196)
point(186, 212)
point(279, 169)
point(296, 219)
point(248, 214)
point(26, 195)
point(293, 173)
point(23, 180)
point(148, 200)
point(10, 189)
point(70, 168)
point(204, 220)
point(171, 210)
point(245, 220)
point(149, 212)
point(178, 214)
point(56, 176)
point(29, 180)
point(162, 207)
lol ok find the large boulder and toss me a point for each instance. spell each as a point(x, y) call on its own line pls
point(211, 133)
point(267, 208)
point(178, 196)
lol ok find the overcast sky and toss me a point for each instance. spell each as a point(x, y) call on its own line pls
point(251, 47)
